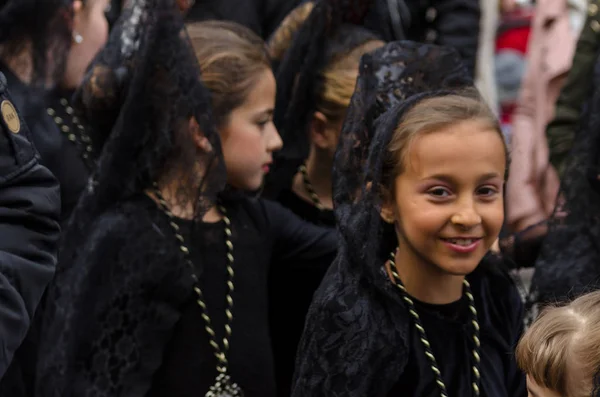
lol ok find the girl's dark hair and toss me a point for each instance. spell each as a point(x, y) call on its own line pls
point(43, 25)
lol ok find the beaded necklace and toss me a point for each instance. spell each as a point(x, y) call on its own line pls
point(423, 335)
point(223, 386)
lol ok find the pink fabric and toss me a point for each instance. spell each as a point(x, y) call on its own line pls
point(533, 183)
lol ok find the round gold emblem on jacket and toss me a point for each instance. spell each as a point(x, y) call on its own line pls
point(10, 116)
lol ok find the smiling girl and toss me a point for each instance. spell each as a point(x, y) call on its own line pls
point(413, 304)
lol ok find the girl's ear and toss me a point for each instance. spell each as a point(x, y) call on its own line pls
point(199, 139)
point(318, 130)
point(387, 212)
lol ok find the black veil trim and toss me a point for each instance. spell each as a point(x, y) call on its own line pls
point(101, 95)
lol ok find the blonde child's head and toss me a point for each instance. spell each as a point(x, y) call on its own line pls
point(560, 353)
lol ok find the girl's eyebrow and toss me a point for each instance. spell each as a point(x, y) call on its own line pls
point(451, 179)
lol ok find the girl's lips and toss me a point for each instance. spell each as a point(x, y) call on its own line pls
point(266, 168)
point(462, 249)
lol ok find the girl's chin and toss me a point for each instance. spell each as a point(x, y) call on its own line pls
point(460, 267)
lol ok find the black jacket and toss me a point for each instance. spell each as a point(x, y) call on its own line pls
point(62, 157)
point(261, 16)
point(29, 228)
point(452, 23)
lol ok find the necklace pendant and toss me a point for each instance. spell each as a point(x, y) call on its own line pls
point(224, 387)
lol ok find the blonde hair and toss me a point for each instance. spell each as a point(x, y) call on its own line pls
point(338, 80)
point(231, 59)
point(432, 114)
point(282, 38)
point(561, 350)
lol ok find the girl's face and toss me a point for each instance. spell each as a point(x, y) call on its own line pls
point(448, 204)
point(249, 137)
point(89, 22)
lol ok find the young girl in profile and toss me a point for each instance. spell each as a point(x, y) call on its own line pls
point(560, 352)
point(162, 289)
point(414, 305)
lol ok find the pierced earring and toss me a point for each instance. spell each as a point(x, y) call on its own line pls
point(77, 38)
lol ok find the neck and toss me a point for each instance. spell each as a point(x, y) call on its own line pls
point(21, 64)
point(424, 281)
point(183, 209)
point(318, 170)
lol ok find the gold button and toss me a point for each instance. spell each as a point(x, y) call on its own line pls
point(10, 116)
point(593, 9)
point(595, 25)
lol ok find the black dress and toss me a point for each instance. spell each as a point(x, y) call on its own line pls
point(291, 289)
point(372, 348)
point(131, 326)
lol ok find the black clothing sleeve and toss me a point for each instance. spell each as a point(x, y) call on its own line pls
point(299, 241)
point(516, 381)
point(29, 234)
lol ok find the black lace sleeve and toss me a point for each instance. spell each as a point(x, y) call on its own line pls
point(346, 336)
point(112, 313)
point(522, 249)
point(312, 377)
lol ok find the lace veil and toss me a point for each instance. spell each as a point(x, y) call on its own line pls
point(391, 81)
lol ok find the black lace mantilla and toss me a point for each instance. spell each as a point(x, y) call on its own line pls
point(103, 91)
